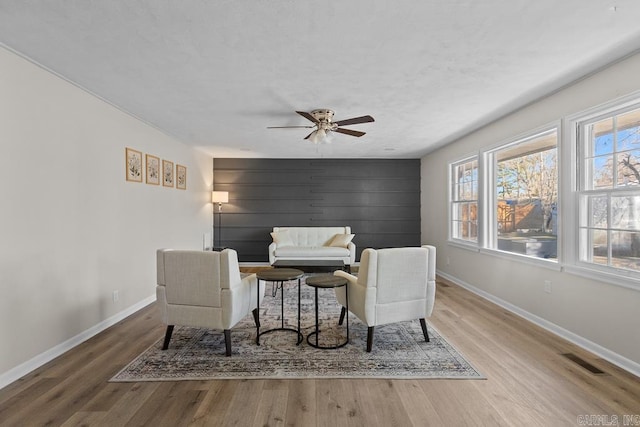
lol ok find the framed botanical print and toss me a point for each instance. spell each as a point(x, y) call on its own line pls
point(153, 169)
point(167, 173)
point(181, 177)
point(133, 165)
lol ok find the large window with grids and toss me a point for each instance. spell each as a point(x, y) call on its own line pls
point(525, 196)
point(464, 200)
point(608, 148)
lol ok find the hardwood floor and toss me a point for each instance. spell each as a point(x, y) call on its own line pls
point(529, 382)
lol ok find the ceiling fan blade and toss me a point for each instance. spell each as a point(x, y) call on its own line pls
point(307, 137)
point(289, 127)
point(355, 121)
point(307, 116)
point(349, 132)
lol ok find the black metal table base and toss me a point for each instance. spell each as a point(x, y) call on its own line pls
point(316, 333)
point(279, 284)
point(300, 336)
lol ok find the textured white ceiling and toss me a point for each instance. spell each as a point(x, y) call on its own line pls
point(215, 74)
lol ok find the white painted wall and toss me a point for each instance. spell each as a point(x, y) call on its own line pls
point(72, 230)
point(598, 315)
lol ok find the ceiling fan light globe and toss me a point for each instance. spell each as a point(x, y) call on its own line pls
point(314, 138)
point(328, 139)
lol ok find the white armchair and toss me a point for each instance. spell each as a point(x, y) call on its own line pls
point(204, 289)
point(393, 285)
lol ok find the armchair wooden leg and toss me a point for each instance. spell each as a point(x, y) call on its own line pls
point(423, 323)
point(369, 339)
point(342, 313)
point(167, 337)
point(227, 341)
point(256, 318)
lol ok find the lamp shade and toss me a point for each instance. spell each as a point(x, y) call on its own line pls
point(220, 196)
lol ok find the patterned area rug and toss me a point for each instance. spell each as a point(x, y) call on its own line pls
point(399, 350)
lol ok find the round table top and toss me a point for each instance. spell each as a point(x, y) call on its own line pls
point(326, 281)
point(279, 274)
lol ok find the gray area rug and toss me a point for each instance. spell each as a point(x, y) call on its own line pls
point(399, 350)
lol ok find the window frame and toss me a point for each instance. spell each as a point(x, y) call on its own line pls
point(452, 183)
point(489, 229)
point(577, 189)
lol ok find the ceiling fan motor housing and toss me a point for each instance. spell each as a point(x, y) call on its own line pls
point(324, 118)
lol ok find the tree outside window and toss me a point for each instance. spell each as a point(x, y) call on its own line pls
point(464, 200)
point(526, 182)
point(610, 191)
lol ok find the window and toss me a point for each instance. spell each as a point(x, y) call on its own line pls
point(525, 180)
point(464, 200)
point(609, 190)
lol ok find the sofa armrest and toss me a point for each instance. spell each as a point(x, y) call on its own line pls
point(272, 253)
point(352, 253)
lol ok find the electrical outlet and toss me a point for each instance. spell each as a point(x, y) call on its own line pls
point(116, 296)
point(547, 286)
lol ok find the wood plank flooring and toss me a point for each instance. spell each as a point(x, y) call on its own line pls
point(529, 382)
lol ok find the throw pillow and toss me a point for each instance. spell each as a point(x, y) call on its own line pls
point(282, 238)
point(342, 240)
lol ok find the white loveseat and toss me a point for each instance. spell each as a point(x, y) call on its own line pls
point(312, 243)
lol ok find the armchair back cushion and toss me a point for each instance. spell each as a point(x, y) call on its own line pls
point(192, 278)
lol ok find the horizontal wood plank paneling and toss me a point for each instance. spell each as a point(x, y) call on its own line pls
point(378, 198)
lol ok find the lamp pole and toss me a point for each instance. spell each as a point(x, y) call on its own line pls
point(219, 197)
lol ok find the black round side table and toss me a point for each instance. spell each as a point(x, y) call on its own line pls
point(279, 276)
point(327, 281)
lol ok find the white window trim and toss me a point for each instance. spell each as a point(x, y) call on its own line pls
point(569, 187)
point(487, 197)
point(465, 244)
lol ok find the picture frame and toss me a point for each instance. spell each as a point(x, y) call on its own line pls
point(181, 177)
point(167, 173)
point(133, 165)
point(153, 169)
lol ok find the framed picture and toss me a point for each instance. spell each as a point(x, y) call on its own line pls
point(133, 165)
point(181, 177)
point(153, 169)
point(167, 173)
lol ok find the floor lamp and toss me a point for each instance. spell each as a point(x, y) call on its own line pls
point(219, 197)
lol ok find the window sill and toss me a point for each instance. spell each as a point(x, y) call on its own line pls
point(538, 262)
point(470, 246)
point(623, 280)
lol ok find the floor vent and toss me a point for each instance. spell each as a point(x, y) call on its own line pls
point(586, 365)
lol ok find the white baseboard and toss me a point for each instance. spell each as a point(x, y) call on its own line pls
point(39, 360)
point(610, 356)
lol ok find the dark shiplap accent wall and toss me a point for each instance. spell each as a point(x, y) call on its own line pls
point(378, 198)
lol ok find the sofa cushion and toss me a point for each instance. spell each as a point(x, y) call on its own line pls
point(282, 238)
point(312, 236)
point(311, 251)
point(341, 240)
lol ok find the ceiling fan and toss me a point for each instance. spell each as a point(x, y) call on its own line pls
point(324, 125)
